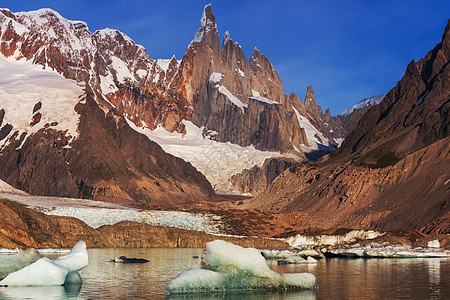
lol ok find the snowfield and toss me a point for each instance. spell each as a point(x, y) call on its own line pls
point(217, 161)
point(23, 84)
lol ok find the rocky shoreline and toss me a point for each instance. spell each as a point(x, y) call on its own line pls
point(22, 227)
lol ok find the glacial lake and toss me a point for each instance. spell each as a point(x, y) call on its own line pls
point(336, 278)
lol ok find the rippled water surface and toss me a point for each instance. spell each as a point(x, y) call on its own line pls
point(336, 278)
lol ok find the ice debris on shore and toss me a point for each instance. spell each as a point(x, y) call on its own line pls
point(282, 254)
point(63, 270)
point(351, 236)
point(386, 250)
point(227, 267)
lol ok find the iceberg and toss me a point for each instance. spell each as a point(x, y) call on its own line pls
point(230, 268)
point(41, 272)
point(76, 259)
point(13, 262)
point(46, 272)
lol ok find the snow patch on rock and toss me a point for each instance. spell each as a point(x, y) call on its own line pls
point(223, 90)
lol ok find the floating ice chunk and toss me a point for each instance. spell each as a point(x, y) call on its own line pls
point(297, 259)
point(8, 251)
point(51, 272)
point(374, 250)
point(300, 280)
point(41, 272)
point(220, 253)
point(73, 278)
point(280, 254)
point(76, 260)
point(228, 267)
point(196, 280)
point(50, 250)
point(17, 261)
point(434, 244)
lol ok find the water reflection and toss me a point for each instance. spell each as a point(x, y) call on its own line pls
point(300, 295)
point(71, 291)
point(336, 278)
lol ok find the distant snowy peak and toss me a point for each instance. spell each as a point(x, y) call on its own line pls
point(44, 15)
point(113, 33)
point(362, 104)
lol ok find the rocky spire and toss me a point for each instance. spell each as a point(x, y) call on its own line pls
point(208, 33)
point(310, 98)
point(311, 105)
point(260, 63)
point(297, 104)
point(233, 57)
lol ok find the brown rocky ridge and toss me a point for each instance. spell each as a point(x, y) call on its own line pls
point(392, 172)
point(24, 228)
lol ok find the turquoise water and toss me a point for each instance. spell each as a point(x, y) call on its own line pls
point(336, 278)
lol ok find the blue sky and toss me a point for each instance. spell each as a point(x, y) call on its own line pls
point(347, 50)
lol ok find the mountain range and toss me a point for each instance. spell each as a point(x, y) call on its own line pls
point(84, 113)
point(217, 89)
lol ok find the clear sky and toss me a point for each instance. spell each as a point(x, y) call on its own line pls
point(347, 50)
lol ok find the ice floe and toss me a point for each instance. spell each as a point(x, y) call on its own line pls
point(44, 271)
point(297, 259)
point(228, 268)
point(385, 250)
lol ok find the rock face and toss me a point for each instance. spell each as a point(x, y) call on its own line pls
point(257, 179)
point(165, 92)
point(392, 171)
point(412, 115)
point(107, 160)
point(23, 227)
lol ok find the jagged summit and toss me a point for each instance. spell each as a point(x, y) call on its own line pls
point(168, 92)
point(208, 20)
point(310, 98)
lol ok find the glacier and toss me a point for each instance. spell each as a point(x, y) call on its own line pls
point(230, 268)
point(46, 272)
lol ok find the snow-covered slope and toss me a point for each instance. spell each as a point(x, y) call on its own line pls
point(23, 85)
point(316, 139)
point(363, 103)
point(217, 161)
